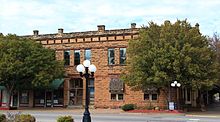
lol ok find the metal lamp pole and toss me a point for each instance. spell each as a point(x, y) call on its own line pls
point(177, 85)
point(86, 67)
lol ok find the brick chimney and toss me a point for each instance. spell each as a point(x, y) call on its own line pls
point(197, 25)
point(35, 32)
point(133, 25)
point(60, 30)
point(101, 28)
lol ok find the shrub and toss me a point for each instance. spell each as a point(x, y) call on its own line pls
point(2, 118)
point(65, 119)
point(128, 107)
point(25, 118)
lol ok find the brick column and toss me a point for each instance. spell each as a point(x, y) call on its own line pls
point(117, 56)
point(59, 55)
point(31, 98)
point(84, 91)
point(66, 92)
point(71, 57)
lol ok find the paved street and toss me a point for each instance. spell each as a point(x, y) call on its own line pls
point(118, 116)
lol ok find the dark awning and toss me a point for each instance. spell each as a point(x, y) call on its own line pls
point(151, 90)
point(116, 86)
point(2, 87)
point(56, 83)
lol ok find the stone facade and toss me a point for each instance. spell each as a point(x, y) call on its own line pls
point(99, 42)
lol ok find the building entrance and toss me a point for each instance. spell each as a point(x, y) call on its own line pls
point(49, 98)
point(76, 92)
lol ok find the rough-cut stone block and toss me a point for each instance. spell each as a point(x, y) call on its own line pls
point(79, 39)
point(95, 39)
point(58, 41)
point(87, 39)
point(103, 38)
point(119, 38)
point(43, 42)
point(51, 42)
point(111, 38)
point(72, 40)
point(65, 41)
point(128, 37)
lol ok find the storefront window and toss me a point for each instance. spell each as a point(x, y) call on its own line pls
point(58, 97)
point(24, 97)
point(39, 98)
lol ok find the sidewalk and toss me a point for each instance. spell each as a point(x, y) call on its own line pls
point(212, 111)
point(119, 111)
point(97, 111)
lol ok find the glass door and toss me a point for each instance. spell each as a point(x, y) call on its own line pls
point(76, 92)
point(15, 100)
point(48, 98)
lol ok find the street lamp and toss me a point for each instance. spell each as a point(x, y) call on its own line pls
point(177, 85)
point(84, 72)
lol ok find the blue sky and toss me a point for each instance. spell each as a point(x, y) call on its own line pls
point(23, 16)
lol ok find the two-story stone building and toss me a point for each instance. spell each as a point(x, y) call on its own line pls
point(104, 48)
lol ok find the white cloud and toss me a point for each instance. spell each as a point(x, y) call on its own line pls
point(23, 16)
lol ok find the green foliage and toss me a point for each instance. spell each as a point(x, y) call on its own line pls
point(65, 119)
point(2, 118)
point(25, 64)
point(168, 52)
point(215, 45)
point(128, 107)
point(25, 118)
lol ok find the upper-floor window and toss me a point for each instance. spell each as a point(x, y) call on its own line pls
point(122, 55)
point(66, 57)
point(150, 97)
point(88, 54)
point(76, 57)
point(111, 56)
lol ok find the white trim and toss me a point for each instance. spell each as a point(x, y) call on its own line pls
point(116, 98)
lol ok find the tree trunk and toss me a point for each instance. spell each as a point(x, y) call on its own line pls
point(9, 100)
point(201, 101)
point(167, 96)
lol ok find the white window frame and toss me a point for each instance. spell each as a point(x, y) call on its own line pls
point(150, 97)
point(116, 97)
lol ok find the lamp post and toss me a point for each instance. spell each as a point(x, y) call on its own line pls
point(177, 85)
point(84, 69)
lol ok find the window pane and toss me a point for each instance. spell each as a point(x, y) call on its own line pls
point(120, 96)
point(58, 96)
point(91, 82)
point(66, 57)
point(24, 97)
point(113, 96)
point(188, 95)
point(146, 96)
point(92, 91)
point(39, 97)
point(88, 54)
point(154, 96)
point(111, 56)
point(122, 55)
point(76, 57)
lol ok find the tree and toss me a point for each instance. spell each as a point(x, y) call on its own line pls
point(215, 45)
point(168, 52)
point(25, 64)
